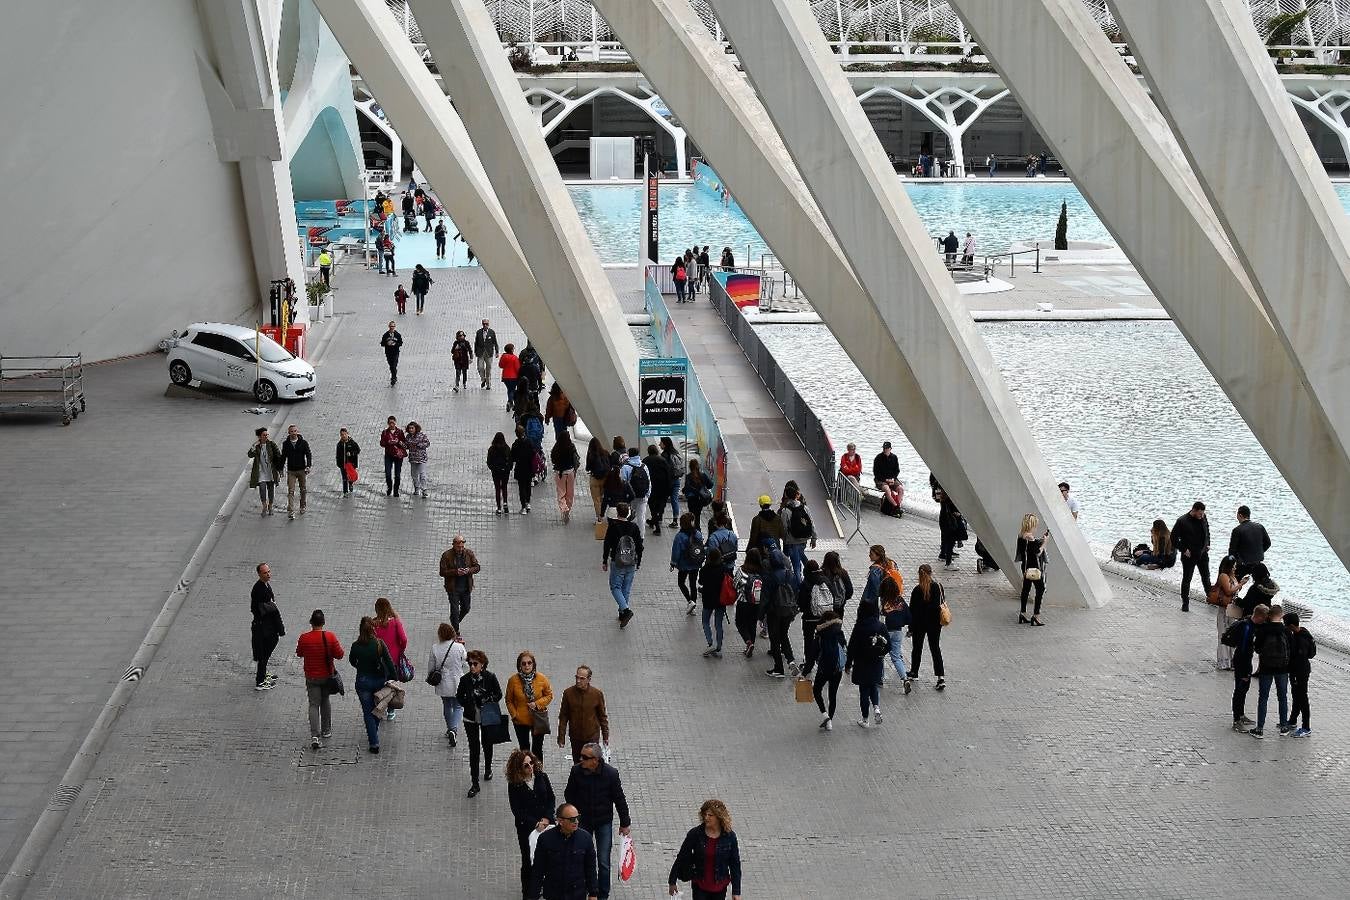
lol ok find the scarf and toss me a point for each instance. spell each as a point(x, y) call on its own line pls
point(527, 682)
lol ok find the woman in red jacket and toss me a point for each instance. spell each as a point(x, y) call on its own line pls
point(850, 463)
point(318, 648)
point(509, 363)
point(389, 628)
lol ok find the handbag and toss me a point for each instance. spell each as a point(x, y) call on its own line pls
point(1234, 611)
point(434, 676)
point(541, 722)
point(944, 611)
point(1212, 597)
point(601, 529)
point(334, 683)
point(492, 725)
point(404, 667)
point(1032, 574)
point(349, 471)
point(802, 691)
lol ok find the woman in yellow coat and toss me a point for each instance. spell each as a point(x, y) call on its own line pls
point(528, 695)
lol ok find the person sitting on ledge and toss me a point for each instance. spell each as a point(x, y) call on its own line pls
point(892, 497)
point(1160, 554)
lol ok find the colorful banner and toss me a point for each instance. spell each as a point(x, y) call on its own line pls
point(700, 424)
point(742, 289)
point(323, 222)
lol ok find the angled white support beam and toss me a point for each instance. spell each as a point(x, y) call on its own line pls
point(1212, 78)
point(1105, 130)
point(841, 161)
point(696, 79)
point(409, 95)
point(461, 37)
point(240, 86)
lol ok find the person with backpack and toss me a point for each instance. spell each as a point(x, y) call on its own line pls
point(679, 275)
point(559, 411)
point(925, 610)
point(687, 554)
point(749, 590)
point(722, 539)
point(1271, 641)
point(868, 646)
point(896, 614)
point(800, 531)
point(814, 599)
point(766, 524)
point(522, 467)
point(623, 545)
point(880, 567)
point(713, 581)
point(1241, 637)
point(831, 658)
point(661, 478)
point(531, 372)
point(698, 492)
point(565, 463)
point(841, 585)
point(1302, 648)
point(615, 490)
point(675, 460)
point(639, 482)
point(779, 608)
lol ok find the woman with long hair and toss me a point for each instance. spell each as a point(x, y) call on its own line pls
point(499, 464)
point(1160, 554)
point(709, 858)
point(532, 804)
point(522, 461)
point(1031, 556)
point(389, 628)
point(370, 657)
point(477, 689)
point(680, 275)
point(565, 464)
point(448, 657)
point(685, 564)
point(528, 695)
point(837, 577)
point(698, 492)
point(833, 652)
point(748, 599)
point(880, 566)
point(925, 610)
point(597, 466)
point(1227, 584)
point(675, 460)
point(417, 443)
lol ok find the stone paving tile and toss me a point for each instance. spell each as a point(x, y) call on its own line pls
point(99, 520)
point(1088, 758)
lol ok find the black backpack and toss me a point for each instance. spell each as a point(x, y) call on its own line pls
point(640, 481)
point(799, 522)
point(1274, 649)
point(694, 551)
point(877, 647)
point(786, 603)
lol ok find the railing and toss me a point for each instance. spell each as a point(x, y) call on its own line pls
point(848, 499)
point(991, 260)
point(805, 423)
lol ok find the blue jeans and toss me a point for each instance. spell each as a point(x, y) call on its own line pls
point(898, 654)
point(604, 846)
point(797, 554)
point(1281, 680)
point(675, 499)
point(709, 615)
point(393, 474)
point(621, 584)
point(453, 712)
point(366, 686)
point(510, 390)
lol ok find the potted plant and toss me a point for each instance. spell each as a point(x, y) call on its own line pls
point(319, 296)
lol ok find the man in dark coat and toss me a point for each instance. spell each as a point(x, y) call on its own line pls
point(595, 789)
point(267, 627)
point(662, 478)
point(1248, 543)
point(1190, 537)
point(392, 341)
point(564, 861)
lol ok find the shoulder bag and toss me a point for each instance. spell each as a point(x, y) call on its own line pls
point(434, 676)
point(334, 683)
point(539, 724)
point(944, 611)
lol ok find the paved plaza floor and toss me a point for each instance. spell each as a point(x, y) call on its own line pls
point(1088, 758)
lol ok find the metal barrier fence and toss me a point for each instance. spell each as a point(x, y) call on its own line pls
point(805, 423)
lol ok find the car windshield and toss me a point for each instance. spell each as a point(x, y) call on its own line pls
point(271, 351)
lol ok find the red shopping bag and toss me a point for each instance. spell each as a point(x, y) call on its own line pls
point(627, 859)
point(350, 471)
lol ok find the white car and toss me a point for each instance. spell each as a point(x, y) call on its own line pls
point(221, 354)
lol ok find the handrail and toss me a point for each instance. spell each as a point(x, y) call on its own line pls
point(991, 260)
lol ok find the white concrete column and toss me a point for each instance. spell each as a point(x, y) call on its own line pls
point(1216, 86)
point(1103, 127)
point(842, 163)
point(396, 148)
point(462, 39)
point(243, 97)
point(410, 97)
point(940, 107)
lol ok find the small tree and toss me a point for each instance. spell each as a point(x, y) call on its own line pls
point(1062, 228)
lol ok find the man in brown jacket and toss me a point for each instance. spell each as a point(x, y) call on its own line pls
point(458, 566)
point(582, 714)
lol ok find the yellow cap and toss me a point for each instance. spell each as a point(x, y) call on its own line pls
point(765, 500)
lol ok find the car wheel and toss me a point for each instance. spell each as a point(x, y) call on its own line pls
point(179, 373)
point(264, 391)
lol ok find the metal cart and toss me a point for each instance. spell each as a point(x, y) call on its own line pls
point(42, 384)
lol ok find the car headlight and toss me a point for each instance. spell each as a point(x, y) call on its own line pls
point(293, 376)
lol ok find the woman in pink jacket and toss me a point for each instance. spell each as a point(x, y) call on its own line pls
point(389, 628)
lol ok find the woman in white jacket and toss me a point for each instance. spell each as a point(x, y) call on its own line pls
point(448, 657)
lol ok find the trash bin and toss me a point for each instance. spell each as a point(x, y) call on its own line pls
point(295, 337)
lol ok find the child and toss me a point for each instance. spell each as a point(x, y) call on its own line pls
point(1302, 648)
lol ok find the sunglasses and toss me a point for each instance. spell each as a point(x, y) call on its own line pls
point(584, 757)
point(572, 819)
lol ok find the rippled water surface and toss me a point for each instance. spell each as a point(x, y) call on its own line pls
point(1125, 412)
